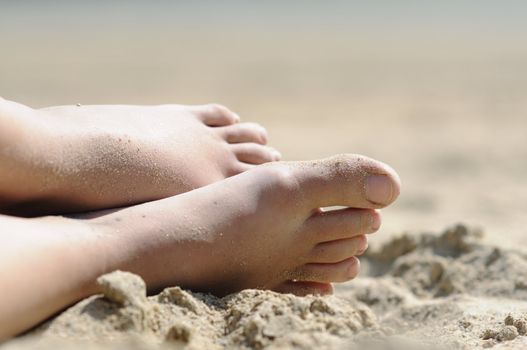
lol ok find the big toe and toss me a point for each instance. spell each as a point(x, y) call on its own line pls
point(347, 180)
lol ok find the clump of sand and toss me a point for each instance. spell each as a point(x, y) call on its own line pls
point(445, 290)
point(251, 318)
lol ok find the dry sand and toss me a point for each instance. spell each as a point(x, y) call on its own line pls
point(446, 290)
point(442, 99)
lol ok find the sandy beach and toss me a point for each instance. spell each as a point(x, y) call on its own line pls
point(443, 102)
point(446, 290)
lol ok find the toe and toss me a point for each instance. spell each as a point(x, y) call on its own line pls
point(253, 153)
point(216, 115)
point(341, 224)
point(326, 273)
point(339, 250)
point(348, 180)
point(238, 168)
point(304, 288)
point(244, 132)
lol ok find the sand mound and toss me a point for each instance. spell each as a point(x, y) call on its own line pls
point(446, 290)
point(251, 318)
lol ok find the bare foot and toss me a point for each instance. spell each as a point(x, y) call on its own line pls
point(259, 229)
point(84, 158)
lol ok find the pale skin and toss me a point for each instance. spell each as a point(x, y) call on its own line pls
point(261, 228)
point(80, 158)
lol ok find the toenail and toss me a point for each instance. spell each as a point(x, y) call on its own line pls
point(379, 189)
point(237, 118)
point(277, 155)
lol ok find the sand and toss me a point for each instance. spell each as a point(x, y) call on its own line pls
point(447, 290)
point(440, 95)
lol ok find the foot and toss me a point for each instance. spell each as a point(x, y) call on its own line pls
point(260, 229)
point(110, 156)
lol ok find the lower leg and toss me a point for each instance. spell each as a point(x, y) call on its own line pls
point(45, 265)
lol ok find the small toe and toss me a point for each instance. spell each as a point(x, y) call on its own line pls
point(244, 132)
point(253, 153)
point(339, 250)
point(326, 273)
point(324, 226)
point(216, 115)
point(304, 288)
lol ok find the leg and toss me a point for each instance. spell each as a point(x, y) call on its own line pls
point(45, 264)
point(260, 229)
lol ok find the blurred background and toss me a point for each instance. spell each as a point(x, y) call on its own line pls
point(437, 89)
